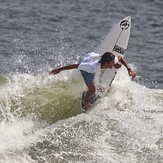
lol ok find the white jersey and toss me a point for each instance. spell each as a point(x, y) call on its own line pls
point(90, 62)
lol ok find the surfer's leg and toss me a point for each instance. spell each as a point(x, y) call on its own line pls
point(87, 95)
point(90, 92)
point(88, 78)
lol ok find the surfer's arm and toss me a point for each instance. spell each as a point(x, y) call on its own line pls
point(130, 72)
point(58, 70)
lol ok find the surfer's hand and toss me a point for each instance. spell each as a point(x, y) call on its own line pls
point(55, 71)
point(132, 74)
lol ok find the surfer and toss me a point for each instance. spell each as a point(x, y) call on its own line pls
point(90, 64)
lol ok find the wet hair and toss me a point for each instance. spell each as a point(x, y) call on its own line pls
point(107, 57)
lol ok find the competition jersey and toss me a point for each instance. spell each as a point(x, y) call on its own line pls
point(90, 62)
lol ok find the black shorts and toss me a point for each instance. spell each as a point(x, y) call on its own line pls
point(88, 77)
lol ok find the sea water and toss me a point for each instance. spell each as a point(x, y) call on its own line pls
point(40, 116)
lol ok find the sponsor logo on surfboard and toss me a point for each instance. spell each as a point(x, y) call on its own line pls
point(101, 89)
point(101, 75)
point(119, 49)
point(124, 24)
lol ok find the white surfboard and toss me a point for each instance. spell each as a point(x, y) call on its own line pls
point(115, 42)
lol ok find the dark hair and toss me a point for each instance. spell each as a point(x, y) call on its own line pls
point(107, 57)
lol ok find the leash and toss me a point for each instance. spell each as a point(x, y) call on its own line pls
point(70, 108)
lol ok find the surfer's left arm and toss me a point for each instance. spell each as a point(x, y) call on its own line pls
point(58, 70)
point(130, 71)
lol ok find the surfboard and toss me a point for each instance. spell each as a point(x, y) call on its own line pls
point(115, 42)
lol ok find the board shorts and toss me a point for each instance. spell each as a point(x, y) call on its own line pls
point(88, 77)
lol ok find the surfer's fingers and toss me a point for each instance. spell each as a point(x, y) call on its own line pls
point(132, 74)
point(53, 72)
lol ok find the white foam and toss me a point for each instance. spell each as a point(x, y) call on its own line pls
point(115, 129)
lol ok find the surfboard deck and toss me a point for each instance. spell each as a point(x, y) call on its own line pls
point(115, 42)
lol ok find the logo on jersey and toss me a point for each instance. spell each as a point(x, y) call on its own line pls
point(124, 24)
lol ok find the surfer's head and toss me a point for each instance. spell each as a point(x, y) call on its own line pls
point(107, 57)
point(108, 60)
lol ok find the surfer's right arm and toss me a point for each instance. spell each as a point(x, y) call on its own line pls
point(58, 70)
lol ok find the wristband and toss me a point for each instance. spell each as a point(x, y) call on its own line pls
point(129, 69)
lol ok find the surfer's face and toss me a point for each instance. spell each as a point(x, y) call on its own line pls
point(108, 64)
point(111, 64)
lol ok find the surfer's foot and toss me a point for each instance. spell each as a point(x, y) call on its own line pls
point(87, 105)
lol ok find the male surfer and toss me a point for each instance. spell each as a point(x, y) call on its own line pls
point(90, 64)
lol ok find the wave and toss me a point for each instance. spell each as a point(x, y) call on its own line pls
point(43, 96)
point(35, 117)
point(49, 97)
